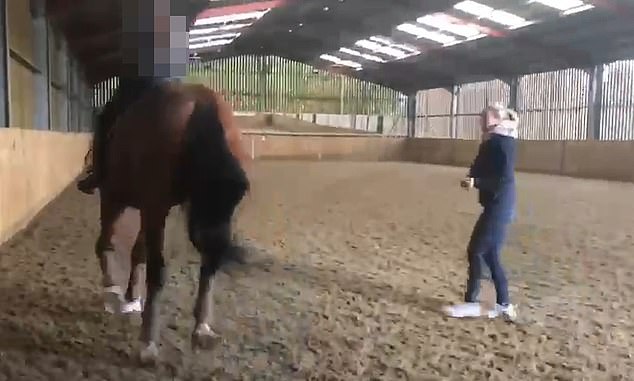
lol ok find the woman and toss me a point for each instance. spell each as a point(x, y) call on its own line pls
point(492, 173)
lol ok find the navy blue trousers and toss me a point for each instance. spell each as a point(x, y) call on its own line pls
point(485, 247)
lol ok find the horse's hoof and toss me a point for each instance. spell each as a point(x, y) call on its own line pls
point(149, 354)
point(205, 338)
point(135, 306)
point(113, 300)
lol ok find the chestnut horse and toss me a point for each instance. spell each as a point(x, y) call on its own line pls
point(178, 144)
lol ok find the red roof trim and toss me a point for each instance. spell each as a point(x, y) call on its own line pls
point(243, 8)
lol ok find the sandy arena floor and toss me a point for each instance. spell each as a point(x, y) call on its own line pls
point(350, 264)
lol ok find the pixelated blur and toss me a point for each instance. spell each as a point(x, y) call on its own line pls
point(154, 38)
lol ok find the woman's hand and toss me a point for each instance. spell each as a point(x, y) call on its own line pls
point(467, 183)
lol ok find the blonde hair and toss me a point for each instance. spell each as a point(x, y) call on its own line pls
point(500, 120)
point(501, 112)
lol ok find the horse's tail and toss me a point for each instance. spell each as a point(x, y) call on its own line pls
point(217, 183)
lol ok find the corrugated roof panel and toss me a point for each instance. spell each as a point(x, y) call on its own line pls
point(468, 21)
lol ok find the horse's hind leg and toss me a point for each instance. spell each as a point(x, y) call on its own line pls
point(212, 244)
point(138, 261)
point(104, 248)
point(204, 336)
point(153, 223)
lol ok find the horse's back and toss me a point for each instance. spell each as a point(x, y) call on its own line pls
point(147, 147)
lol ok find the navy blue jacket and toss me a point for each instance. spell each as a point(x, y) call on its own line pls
point(494, 172)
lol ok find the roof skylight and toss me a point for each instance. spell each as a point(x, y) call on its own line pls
point(219, 29)
point(562, 5)
point(369, 57)
point(210, 43)
point(457, 26)
point(578, 9)
point(231, 18)
point(420, 32)
point(501, 17)
point(378, 45)
point(342, 62)
point(411, 50)
point(215, 34)
point(215, 37)
point(567, 7)
point(451, 24)
point(379, 48)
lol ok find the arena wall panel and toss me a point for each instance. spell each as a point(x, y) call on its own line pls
point(584, 159)
point(21, 95)
point(21, 34)
point(35, 166)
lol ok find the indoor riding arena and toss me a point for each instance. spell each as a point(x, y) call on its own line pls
point(355, 230)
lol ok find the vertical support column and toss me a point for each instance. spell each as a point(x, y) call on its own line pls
point(514, 83)
point(41, 63)
point(49, 86)
point(514, 94)
point(411, 115)
point(261, 84)
point(4, 72)
point(453, 128)
point(595, 103)
point(57, 62)
point(265, 83)
point(342, 94)
point(62, 86)
point(69, 93)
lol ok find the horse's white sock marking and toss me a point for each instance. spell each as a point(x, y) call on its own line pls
point(204, 337)
point(113, 299)
point(134, 306)
point(149, 353)
point(113, 290)
point(203, 329)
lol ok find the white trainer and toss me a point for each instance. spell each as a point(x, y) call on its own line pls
point(463, 310)
point(135, 306)
point(508, 312)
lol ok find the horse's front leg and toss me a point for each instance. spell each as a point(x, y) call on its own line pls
point(154, 225)
point(104, 248)
point(134, 302)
